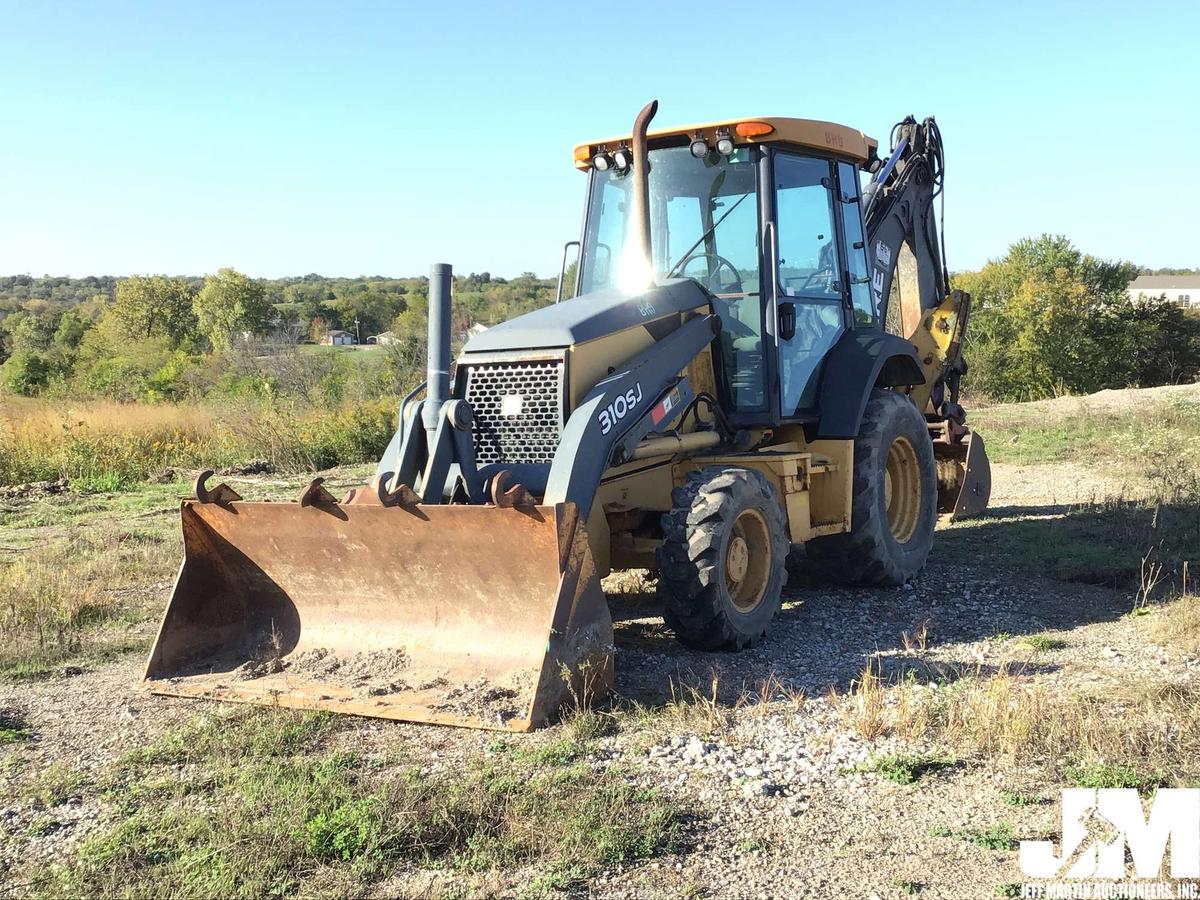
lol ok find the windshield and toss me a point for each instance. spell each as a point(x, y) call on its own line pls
point(704, 226)
point(703, 223)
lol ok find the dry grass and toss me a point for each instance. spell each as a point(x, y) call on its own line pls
point(864, 710)
point(60, 592)
point(1177, 624)
point(1010, 717)
point(109, 445)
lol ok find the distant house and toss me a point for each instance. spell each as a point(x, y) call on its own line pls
point(382, 339)
point(337, 338)
point(1182, 290)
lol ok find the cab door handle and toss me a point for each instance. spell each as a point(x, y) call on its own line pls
point(787, 321)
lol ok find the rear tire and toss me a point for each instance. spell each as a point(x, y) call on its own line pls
point(894, 503)
point(721, 565)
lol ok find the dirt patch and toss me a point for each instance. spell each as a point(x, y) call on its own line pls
point(487, 701)
point(380, 671)
point(34, 490)
point(254, 467)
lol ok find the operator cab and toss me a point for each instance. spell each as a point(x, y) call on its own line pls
point(766, 216)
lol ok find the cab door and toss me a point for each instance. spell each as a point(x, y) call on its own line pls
point(811, 296)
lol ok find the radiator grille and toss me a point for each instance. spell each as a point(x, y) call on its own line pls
point(508, 430)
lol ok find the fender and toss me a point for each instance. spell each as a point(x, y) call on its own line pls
point(861, 360)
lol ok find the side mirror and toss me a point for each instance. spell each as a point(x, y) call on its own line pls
point(787, 321)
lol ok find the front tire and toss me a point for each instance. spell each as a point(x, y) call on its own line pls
point(721, 565)
point(894, 503)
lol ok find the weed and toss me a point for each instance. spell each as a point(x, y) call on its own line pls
point(345, 832)
point(1018, 798)
point(590, 725)
point(751, 845)
point(13, 727)
point(905, 768)
point(1011, 889)
point(1044, 642)
point(561, 752)
point(941, 831)
point(866, 710)
point(908, 888)
point(1112, 775)
point(57, 784)
point(995, 837)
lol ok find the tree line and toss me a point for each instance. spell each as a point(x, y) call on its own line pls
point(1048, 318)
point(157, 336)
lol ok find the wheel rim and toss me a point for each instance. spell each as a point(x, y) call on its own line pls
point(902, 489)
point(748, 560)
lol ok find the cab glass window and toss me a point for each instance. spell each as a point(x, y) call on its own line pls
point(808, 275)
point(856, 245)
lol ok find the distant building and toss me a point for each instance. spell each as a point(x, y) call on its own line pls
point(338, 338)
point(382, 339)
point(1182, 290)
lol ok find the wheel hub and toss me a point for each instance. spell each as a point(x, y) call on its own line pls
point(737, 560)
point(748, 560)
point(902, 489)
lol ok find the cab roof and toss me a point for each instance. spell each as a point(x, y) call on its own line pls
point(826, 136)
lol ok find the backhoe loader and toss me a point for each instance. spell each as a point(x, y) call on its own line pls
point(759, 353)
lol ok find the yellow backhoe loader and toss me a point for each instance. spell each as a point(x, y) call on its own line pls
point(759, 354)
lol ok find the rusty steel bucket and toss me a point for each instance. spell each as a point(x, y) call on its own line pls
point(480, 616)
point(964, 476)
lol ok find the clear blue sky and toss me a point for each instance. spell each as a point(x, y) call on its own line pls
point(375, 138)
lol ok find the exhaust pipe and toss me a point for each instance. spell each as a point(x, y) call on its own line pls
point(641, 187)
point(437, 376)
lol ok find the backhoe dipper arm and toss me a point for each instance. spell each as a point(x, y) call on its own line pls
point(899, 211)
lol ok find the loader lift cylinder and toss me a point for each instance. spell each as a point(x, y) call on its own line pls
point(437, 390)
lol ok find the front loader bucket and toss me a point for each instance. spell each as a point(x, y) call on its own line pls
point(480, 616)
point(964, 477)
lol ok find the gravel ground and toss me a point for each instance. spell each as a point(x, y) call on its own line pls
point(780, 811)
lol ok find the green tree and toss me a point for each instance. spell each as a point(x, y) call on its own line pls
point(1050, 319)
point(26, 372)
point(156, 306)
point(230, 304)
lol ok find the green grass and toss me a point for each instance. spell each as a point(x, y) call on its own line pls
point(259, 802)
point(1019, 798)
point(908, 888)
point(13, 727)
point(1029, 434)
point(1112, 775)
point(906, 768)
point(999, 836)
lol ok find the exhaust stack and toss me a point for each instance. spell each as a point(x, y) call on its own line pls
point(437, 378)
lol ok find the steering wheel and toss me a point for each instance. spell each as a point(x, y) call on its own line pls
point(714, 283)
point(824, 268)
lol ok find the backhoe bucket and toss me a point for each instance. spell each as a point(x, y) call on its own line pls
point(964, 477)
point(481, 616)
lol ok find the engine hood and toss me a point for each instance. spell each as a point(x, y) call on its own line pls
point(589, 317)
